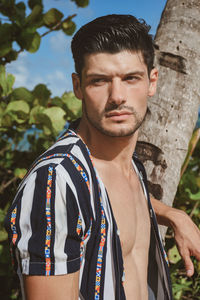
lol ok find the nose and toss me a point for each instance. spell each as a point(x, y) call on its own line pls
point(117, 94)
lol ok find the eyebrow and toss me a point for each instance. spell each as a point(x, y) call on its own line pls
point(137, 72)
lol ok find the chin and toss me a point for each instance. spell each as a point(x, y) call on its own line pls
point(117, 132)
point(115, 129)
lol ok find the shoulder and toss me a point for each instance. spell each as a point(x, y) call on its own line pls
point(65, 154)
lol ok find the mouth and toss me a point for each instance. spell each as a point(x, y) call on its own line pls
point(118, 115)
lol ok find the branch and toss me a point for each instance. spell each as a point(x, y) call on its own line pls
point(4, 186)
point(58, 25)
point(3, 150)
point(194, 208)
point(193, 142)
point(52, 29)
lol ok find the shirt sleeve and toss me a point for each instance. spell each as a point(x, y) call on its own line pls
point(47, 225)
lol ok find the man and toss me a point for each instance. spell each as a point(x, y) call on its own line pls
point(83, 211)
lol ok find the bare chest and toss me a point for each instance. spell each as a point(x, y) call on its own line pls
point(130, 210)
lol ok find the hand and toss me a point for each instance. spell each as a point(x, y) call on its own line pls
point(187, 237)
point(186, 233)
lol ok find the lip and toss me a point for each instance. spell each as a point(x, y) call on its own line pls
point(118, 116)
point(118, 113)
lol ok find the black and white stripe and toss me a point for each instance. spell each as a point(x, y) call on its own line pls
point(71, 199)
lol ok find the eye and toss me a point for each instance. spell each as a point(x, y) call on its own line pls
point(131, 78)
point(98, 81)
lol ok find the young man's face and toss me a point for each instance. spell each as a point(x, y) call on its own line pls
point(114, 89)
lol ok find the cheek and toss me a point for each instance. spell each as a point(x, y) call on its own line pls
point(139, 97)
point(95, 99)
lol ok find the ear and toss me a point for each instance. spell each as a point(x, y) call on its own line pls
point(77, 86)
point(153, 82)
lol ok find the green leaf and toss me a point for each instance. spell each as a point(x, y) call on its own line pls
point(52, 17)
point(20, 12)
point(6, 121)
point(50, 119)
point(3, 78)
point(2, 215)
point(18, 106)
point(29, 41)
point(42, 94)
point(10, 56)
point(5, 48)
point(32, 3)
point(10, 79)
point(81, 3)
point(20, 173)
point(18, 111)
point(39, 117)
point(35, 15)
point(56, 101)
point(178, 294)
point(35, 111)
point(6, 31)
point(72, 106)
point(22, 93)
point(184, 286)
point(35, 43)
point(174, 255)
point(192, 145)
point(3, 235)
point(193, 196)
point(47, 130)
point(56, 115)
point(68, 27)
point(6, 82)
point(7, 7)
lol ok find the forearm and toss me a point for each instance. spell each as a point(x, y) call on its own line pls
point(60, 287)
point(166, 215)
point(186, 233)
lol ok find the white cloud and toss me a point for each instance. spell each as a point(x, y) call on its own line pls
point(25, 75)
point(58, 75)
point(59, 42)
point(19, 68)
point(58, 82)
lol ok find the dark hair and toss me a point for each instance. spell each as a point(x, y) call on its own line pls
point(112, 34)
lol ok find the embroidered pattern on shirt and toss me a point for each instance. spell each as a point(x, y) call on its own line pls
point(101, 249)
point(13, 225)
point(79, 225)
point(80, 169)
point(48, 220)
point(102, 241)
point(166, 257)
point(86, 236)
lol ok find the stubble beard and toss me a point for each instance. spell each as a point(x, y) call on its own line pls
point(121, 132)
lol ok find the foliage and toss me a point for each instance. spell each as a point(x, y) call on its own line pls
point(30, 121)
point(22, 22)
point(187, 199)
point(30, 118)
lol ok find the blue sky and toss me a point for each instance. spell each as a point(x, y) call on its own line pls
point(53, 63)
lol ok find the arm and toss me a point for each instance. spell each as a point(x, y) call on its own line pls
point(46, 225)
point(186, 233)
point(61, 287)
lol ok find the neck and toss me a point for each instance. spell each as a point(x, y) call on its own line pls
point(118, 150)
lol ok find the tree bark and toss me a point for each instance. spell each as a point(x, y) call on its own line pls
point(172, 113)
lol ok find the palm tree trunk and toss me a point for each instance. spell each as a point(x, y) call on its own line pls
point(172, 115)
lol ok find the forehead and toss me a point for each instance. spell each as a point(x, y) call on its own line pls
point(108, 63)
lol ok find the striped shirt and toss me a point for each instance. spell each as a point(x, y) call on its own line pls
point(61, 221)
